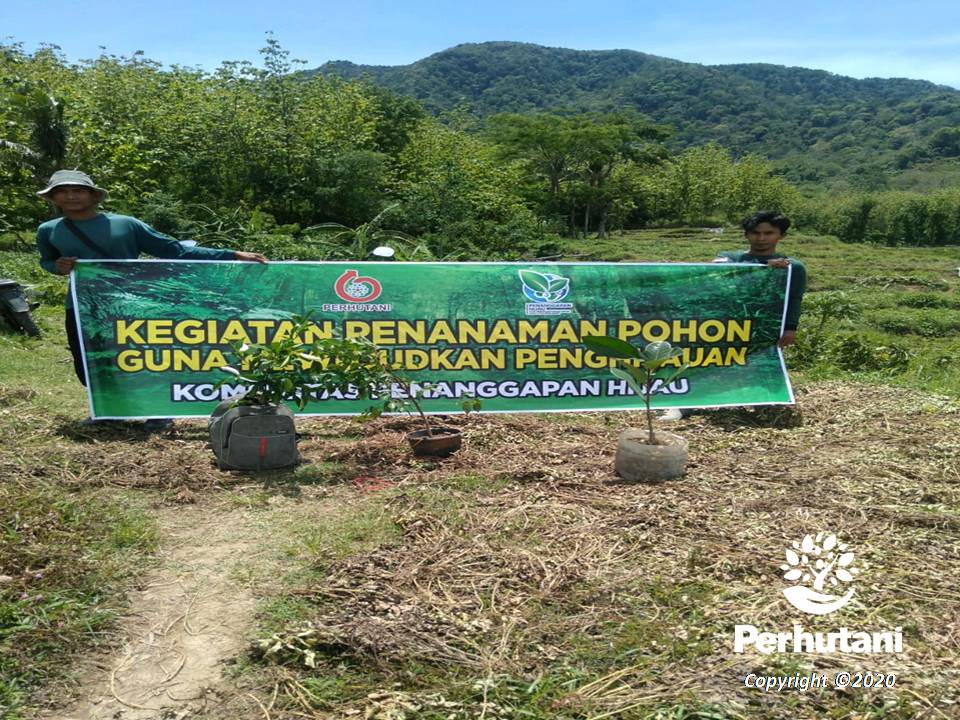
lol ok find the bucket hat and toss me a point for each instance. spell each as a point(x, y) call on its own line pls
point(72, 177)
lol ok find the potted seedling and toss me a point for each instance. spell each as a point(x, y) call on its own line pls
point(436, 440)
point(644, 455)
point(255, 431)
point(432, 440)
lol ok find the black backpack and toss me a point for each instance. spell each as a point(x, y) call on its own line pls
point(253, 437)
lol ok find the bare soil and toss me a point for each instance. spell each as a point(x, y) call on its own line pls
point(191, 614)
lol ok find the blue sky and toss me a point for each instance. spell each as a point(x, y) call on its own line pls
point(885, 38)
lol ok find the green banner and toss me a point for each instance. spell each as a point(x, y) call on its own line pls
point(156, 333)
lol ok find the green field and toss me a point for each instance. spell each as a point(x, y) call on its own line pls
point(519, 579)
point(907, 299)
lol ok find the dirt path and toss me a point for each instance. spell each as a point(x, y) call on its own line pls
point(192, 614)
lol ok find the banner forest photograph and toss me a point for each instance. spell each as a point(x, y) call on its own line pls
point(520, 361)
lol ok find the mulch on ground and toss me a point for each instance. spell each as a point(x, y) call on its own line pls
point(523, 556)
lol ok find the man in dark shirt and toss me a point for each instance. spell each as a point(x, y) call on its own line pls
point(83, 232)
point(763, 231)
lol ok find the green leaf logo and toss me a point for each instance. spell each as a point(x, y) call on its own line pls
point(544, 287)
point(535, 280)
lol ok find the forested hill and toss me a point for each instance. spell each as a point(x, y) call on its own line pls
point(815, 123)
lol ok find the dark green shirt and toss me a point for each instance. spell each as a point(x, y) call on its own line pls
point(798, 281)
point(120, 237)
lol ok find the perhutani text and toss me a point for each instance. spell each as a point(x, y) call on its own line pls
point(843, 640)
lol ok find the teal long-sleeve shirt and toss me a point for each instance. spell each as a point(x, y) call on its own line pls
point(798, 282)
point(121, 237)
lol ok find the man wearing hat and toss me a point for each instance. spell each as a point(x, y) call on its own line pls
point(83, 232)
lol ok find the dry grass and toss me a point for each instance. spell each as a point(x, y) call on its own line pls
point(529, 582)
point(544, 565)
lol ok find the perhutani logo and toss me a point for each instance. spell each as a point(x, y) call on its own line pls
point(353, 288)
point(816, 564)
point(546, 291)
point(359, 292)
point(820, 563)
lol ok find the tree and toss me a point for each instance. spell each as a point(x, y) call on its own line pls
point(33, 134)
point(694, 183)
point(751, 185)
point(601, 144)
point(542, 143)
point(945, 142)
point(457, 192)
point(570, 160)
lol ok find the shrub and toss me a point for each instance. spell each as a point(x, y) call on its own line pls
point(854, 353)
point(165, 213)
point(847, 217)
point(927, 322)
point(830, 305)
point(928, 300)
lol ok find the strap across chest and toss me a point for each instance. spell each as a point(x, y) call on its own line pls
point(82, 237)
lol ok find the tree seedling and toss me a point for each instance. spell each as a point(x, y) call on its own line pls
point(640, 367)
